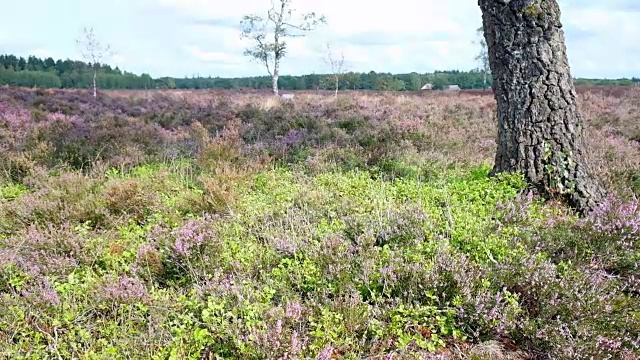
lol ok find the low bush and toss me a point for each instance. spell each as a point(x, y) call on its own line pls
point(193, 227)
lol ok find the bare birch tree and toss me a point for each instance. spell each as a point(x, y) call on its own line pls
point(483, 56)
point(337, 67)
point(93, 53)
point(268, 34)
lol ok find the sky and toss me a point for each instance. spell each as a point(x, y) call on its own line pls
point(202, 37)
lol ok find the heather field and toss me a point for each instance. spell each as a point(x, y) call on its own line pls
point(221, 225)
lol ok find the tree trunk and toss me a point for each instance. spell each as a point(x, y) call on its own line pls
point(276, 74)
point(484, 79)
point(95, 89)
point(539, 125)
point(337, 84)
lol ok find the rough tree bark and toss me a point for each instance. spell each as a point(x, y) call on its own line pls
point(539, 124)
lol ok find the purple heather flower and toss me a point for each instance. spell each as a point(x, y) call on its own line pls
point(192, 234)
point(294, 310)
point(43, 292)
point(325, 353)
point(123, 289)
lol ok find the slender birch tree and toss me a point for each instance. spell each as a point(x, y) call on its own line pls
point(337, 67)
point(93, 52)
point(483, 57)
point(268, 34)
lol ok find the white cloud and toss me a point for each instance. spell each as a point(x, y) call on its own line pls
point(408, 25)
point(118, 59)
point(227, 38)
point(41, 52)
point(211, 56)
point(604, 42)
point(170, 38)
point(211, 9)
point(602, 21)
point(349, 17)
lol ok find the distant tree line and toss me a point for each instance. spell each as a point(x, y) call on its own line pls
point(50, 73)
point(625, 82)
point(348, 81)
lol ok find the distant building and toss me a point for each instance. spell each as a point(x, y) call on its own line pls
point(427, 87)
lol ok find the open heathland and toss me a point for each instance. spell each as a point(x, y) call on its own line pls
point(227, 225)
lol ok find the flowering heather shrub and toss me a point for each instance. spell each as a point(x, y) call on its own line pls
point(613, 236)
point(42, 293)
point(558, 319)
point(68, 197)
point(616, 159)
point(206, 224)
point(457, 130)
point(71, 138)
point(184, 253)
point(189, 238)
point(122, 290)
point(605, 239)
point(79, 143)
point(279, 336)
point(615, 218)
point(516, 211)
point(12, 116)
point(48, 250)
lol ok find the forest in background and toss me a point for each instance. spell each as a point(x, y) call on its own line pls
point(73, 74)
